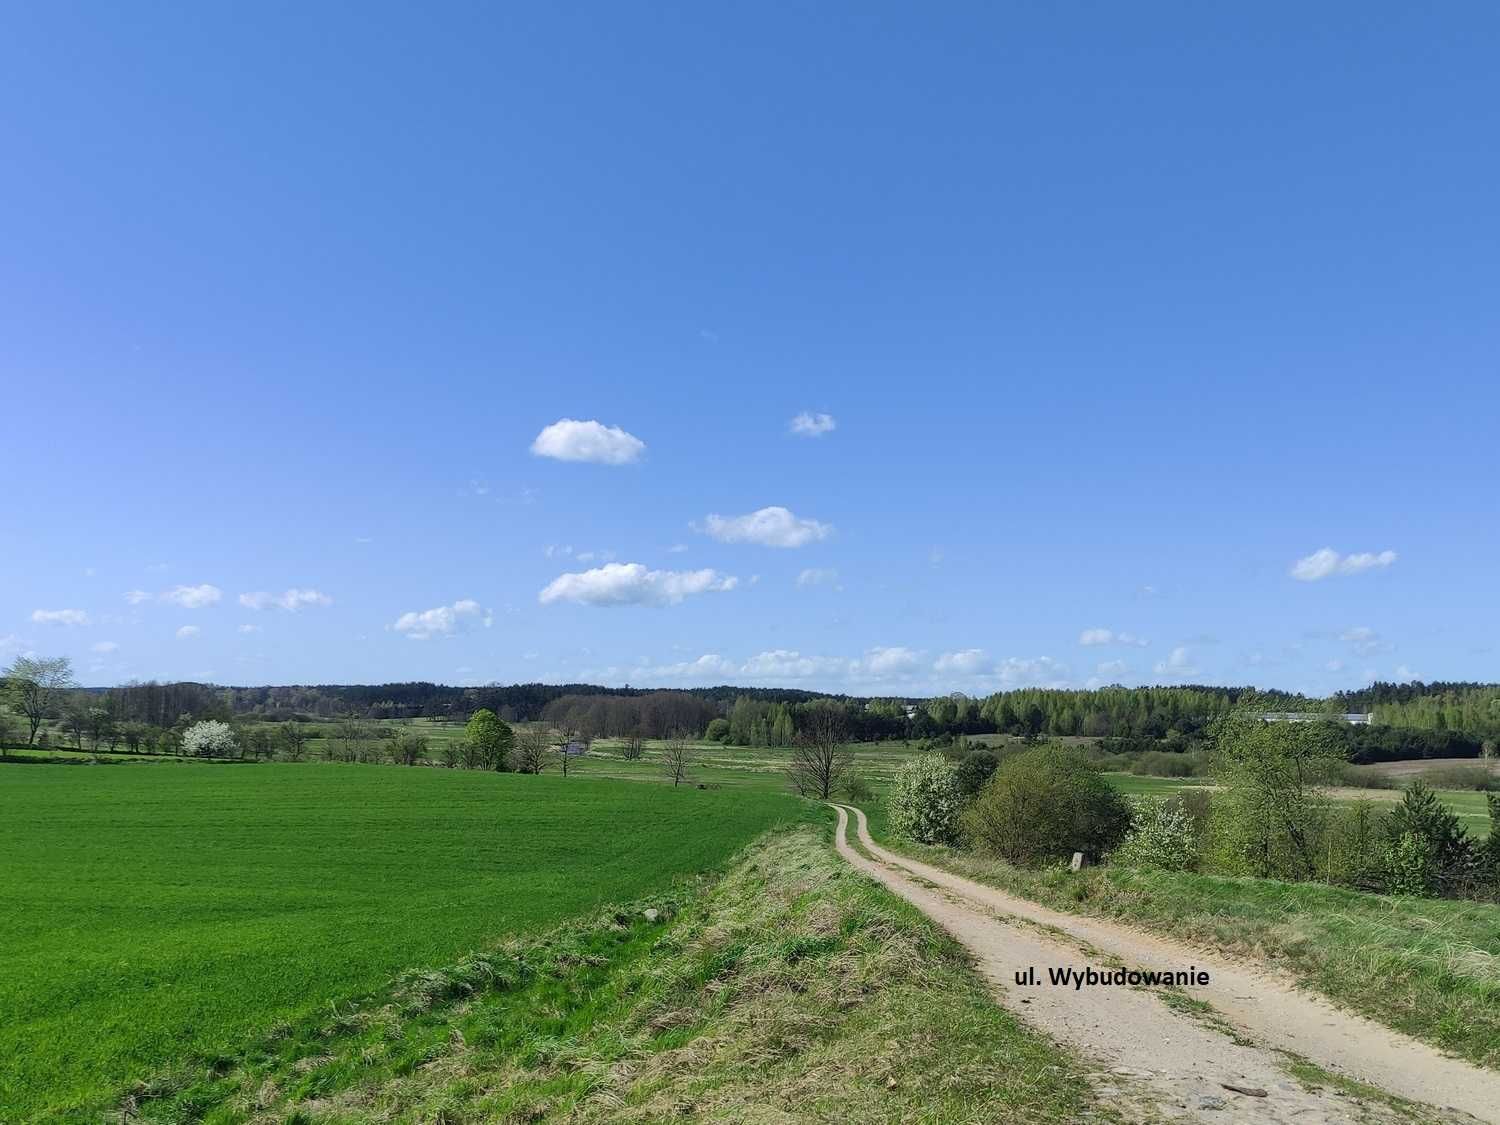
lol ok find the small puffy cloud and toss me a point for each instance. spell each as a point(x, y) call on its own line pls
point(250, 629)
point(1096, 637)
point(886, 663)
point(443, 621)
point(571, 440)
point(789, 664)
point(188, 632)
point(770, 527)
point(60, 617)
point(136, 597)
point(193, 597)
point(705, 667)
point(814, 576)
point(1113, 669)
point(1040, 671)
point(633, 584)
point(1404, 674)
point(1178, 664)
point(1327, 562)
point(104, 648)
point(965, 662)
point(808, 424)
point(290, 600)
point(1364, 640)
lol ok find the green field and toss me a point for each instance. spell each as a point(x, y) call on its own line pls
point(152, 913)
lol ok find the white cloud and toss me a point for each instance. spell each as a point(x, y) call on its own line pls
point(1041, 671)
point(1095, 637)
point(570, 440)
point(1113, 669)
point(708, 666)
point(632, 584)
point(1178, 664)
point(814, 576)
point(770, 527)
point(1335, 665)
point(1363, 640)
point(886, 663)
point(250, 629)
point(1404, 674)
point(60, 617)
point(104, 648)
point(965, 662)
point(193, 597)
point(1325, 562)
point(677, 548)
point(808, 424)
point(188, 632)
point(444, 620)
point(789, 664)
point(136, 597)
point(290, 600)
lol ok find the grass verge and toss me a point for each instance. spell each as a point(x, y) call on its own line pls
point(791, 988)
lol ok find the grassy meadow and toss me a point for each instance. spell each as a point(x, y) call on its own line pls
point(792, 988)
point(149, 913)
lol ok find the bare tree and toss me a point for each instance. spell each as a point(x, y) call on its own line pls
point(34, 685)
point(532, 745)
point(820, 757)
point(293, 741)
point(632, 748)
point(677, 757)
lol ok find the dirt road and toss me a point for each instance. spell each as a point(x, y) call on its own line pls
point(1157, 1059)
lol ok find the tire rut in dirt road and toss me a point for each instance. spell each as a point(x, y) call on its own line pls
point(1158, 1061)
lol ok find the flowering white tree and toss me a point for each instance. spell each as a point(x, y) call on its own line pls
point(209, 739)
point(1161, 837)
point(925, 801)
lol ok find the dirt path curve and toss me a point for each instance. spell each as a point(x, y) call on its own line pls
point(1161, 1060)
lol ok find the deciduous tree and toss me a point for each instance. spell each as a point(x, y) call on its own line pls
point(35, 684)
point(820, 757)
point(677, 757)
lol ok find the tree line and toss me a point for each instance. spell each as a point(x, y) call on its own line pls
point(1412, 720)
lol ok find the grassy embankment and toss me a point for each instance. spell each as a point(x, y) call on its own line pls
point(792, 988)
point(1428, 967)
point(154, 913)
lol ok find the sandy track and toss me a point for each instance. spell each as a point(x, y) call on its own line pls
point(1159, 1060)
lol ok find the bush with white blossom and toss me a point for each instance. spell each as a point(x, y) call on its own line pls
point(1162, 837)
point(925, 800)
point(209, 739)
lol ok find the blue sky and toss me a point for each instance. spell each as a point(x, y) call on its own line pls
point(1116, 313)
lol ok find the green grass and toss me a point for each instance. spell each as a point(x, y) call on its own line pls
point(790, 989)
point(152, 913)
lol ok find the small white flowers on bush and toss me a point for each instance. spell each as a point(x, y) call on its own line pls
point(1161, 837)
point(209, 739)
point(925, 801)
